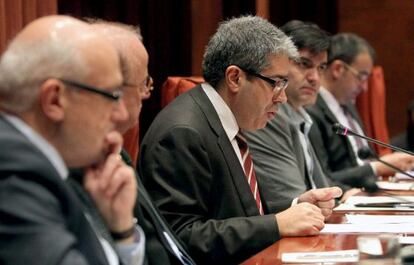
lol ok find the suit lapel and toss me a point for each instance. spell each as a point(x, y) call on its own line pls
point(233, 165)
point(332, 120)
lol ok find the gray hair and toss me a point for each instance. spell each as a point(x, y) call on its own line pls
point(26, 64)
point(115, 30)
point(247, 42)
point(347, 46)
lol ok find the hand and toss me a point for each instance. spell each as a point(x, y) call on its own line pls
point(112, 186)
point(323, 198)
point(349, 193)
point(302, 219)
point(403, 161)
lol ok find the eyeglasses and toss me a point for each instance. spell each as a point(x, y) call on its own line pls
point(278, 83)
point(147, 84)
point(114, 95)
point(362, 76)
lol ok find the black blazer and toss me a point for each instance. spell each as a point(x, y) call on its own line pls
point(334, 151)
point(41, 219)
point(194, 176)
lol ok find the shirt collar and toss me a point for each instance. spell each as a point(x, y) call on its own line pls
point(37, 140)
point(225, 114)
point(330, 100)
point(298, 117)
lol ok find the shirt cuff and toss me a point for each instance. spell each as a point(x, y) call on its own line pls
point(294, 202)
point(133, 253)
point(374, 169)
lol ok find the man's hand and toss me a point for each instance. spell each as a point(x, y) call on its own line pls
point(112, 185)
point(302, 219)
point(323, 198)
point(403, 161)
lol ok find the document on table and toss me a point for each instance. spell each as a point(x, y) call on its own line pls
point(321, 257)
point(368, 228)
point(385, 185)
point(377, 203)
point(402, 176)
point(379, 219)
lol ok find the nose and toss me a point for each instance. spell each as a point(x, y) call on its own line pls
point(120, 113)
point(313, 76)
point(281, 98)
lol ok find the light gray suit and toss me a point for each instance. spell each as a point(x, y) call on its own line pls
point(279, 161)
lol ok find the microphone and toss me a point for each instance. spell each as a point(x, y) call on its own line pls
point(366, 153)
point(342, 130)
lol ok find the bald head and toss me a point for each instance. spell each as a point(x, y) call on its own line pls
point(52, 46)
point(134, 64)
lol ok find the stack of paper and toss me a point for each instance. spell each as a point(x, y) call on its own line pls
point(377, 203)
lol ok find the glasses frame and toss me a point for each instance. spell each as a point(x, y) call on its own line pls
point(114, 95)
point(362, 77)
point(277, 89)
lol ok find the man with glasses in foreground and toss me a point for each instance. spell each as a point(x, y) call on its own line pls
point(350, 62)
point(60, 105)
point(195, 162)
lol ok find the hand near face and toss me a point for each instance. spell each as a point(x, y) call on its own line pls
point(112, 186)
point(322, 198)
point(302, 219)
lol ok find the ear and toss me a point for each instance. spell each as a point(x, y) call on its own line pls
point(336, 68)
point(51, 99)
point(234, 76)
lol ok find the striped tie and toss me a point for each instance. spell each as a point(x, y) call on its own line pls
point(249, 170)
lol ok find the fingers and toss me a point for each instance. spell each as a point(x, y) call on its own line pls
point(326, 194)
point(114, 141)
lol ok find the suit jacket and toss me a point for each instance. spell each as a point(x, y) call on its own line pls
point(195, 178)
point(41, 219)
point(158, 250)
point(279, 161)
point(334, 151)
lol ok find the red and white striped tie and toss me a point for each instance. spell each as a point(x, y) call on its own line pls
point(249, 170)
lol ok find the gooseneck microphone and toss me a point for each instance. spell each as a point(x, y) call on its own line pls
point(366, 153)
point(342, 130)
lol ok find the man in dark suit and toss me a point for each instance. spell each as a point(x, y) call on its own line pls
point(350, 62)
point(284, 159)
point(50, 76)
point(194, 160)
point(161, 245)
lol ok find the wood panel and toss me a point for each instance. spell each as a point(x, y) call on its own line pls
point(388, 26)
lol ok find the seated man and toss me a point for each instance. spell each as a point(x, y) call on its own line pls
point(162, 246)
point(285, 161)
point(194, 160)
point(350, 62)
point(51, 75)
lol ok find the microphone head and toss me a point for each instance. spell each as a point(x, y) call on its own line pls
point(365, 153)
point(339, 129)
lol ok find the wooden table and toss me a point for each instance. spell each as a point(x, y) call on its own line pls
point(326, 242)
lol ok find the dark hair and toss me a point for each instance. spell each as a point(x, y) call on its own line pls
point(307, 35)
point(347, 46)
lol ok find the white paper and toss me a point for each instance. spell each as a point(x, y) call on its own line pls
point(349, 205)
point(370, 245)
point(402, 176)
point(379, 219)
point(385, 185)
point(367, 228)
point(318, 257)
point(409, 240)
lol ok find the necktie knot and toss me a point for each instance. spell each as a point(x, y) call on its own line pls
point(241, 142)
